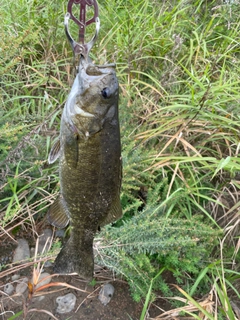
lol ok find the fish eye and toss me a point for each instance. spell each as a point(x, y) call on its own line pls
point(106, 93)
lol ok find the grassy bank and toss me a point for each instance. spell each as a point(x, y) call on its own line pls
point(178, 66)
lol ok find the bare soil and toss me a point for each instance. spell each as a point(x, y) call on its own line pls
point(88, 306)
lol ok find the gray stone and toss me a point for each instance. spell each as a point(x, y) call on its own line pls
point(44, 238)
point(48, 264)
point(106, 293)
point(8, 288)
point(44, 278)
point(66, 303)
point(22, 252)
point(38, 299)
point(22, 286)
point(60, 233)
point(15, 277)
point(32, 252)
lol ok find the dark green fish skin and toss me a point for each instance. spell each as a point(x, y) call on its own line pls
point(89, 165)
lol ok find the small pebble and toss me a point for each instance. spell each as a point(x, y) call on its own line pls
point(60, 233)
point(48, 264)
point(106, 293)
point(22, 286)
point(38, 299)
point(45, 278)
point(32, 252)
point(22, 252)
point(15, 277)
point(8, 288)
point(66, 303)
point(43, 239)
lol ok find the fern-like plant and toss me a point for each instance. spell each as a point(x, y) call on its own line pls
point(149, 242)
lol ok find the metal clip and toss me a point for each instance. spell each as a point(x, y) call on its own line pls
point(82, 48)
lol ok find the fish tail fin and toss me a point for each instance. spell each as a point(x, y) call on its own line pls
point(75, 259)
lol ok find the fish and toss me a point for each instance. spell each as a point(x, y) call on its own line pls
point(90, 166)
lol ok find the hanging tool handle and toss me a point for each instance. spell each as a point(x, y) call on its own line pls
point(81, 47)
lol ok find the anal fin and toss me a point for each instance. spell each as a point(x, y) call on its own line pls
point(58, 214)
point(114, 213)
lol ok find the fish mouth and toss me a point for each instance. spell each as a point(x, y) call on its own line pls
point(89, 75)
point(91, 69)
point(98, 70)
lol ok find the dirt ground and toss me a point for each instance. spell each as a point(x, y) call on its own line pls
point(43, 305)
point(88, 306)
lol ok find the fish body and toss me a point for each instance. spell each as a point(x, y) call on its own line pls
point(89, 152)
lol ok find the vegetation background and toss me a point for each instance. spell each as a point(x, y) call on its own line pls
point(178, 65)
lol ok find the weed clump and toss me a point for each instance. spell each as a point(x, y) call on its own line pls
point(149, 242)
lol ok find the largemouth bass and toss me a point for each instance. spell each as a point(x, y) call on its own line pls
point(89, 153)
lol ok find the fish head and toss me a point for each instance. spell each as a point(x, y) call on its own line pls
point(93, 99)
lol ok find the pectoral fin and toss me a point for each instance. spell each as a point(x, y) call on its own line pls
point(55, 152)
point(58, 214)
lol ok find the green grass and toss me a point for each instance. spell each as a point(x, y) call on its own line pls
point(178, 66)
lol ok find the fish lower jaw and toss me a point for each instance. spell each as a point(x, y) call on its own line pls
point(83, 113)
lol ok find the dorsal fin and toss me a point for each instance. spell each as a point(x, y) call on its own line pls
point(55, 152)
point(58, 214)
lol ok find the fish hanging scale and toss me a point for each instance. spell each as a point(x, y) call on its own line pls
point(81, 47)
point(89, 153)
